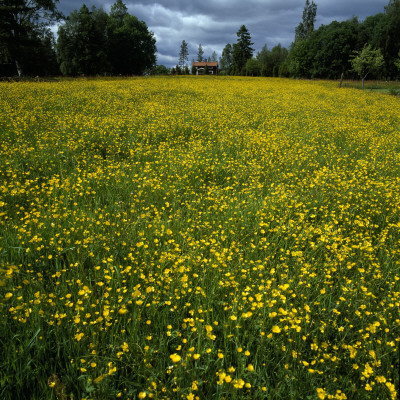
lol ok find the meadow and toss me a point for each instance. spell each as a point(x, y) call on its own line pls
point(198, 238)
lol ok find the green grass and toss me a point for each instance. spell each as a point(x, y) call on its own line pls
point(175, 237)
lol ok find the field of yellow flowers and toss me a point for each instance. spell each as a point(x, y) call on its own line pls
point(198, 238)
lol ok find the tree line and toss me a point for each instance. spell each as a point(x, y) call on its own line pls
point(351, 48)
point(330, 50)
point(94, 42)
point(89, 42)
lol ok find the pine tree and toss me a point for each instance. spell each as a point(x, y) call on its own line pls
point(183, 54)
point(200, 53)
point(242, 50)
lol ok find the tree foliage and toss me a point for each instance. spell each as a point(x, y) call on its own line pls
point(131, 47)
point(273, 62)
point(367, 61)
point(25, 39)
point(253, 67)
point(397, 62)
point(200, 53)
point(183, 54)
point(93, 42)
point(225, 61)
point(306, 26)
point(387, 37)
point(326, 52)
point(242, 50)
point(160, 70)
point(82, 43)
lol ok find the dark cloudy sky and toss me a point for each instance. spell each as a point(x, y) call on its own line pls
point(214, 23)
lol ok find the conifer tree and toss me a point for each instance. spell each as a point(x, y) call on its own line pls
point(200, 53)
point(183, 54)
point(242, 50)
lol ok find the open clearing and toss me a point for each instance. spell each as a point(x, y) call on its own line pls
point(198, 238)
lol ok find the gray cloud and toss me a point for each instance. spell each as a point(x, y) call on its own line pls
point(214, 23)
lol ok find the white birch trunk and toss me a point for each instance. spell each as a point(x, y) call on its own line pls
point(19, 68)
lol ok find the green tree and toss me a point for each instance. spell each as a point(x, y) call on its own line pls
point(253, 67)
point(200, 53)
point(306, 26)
point(263, 59)
point(225, 61)
point(183, 54)
point(242, 50)
point(367, 61)
point(82, 43)
point(326, 53)
point(277, 57)
point(300, 60)
point(160, 70)
point(214, 57)
point(331, 47)
point(131, 46)
point(93, 42)
point(272, 60)
point(390, 43)
point(24, 31)
point(397, 62)
point(371, 31)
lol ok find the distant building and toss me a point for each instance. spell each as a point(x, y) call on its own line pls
point(212, 67)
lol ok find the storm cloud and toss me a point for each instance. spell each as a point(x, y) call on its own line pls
point(214, 23)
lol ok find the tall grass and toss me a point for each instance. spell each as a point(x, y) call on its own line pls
point(198, 238)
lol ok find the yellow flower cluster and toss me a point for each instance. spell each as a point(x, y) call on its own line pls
point(199, 237)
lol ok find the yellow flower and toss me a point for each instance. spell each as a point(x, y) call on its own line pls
point(175, 357)
point(142, 395)
point(79, 336)
point(276, 329)
point(239, 384)
point(321, 393)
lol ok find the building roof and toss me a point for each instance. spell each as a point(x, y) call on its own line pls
point(204, 63)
